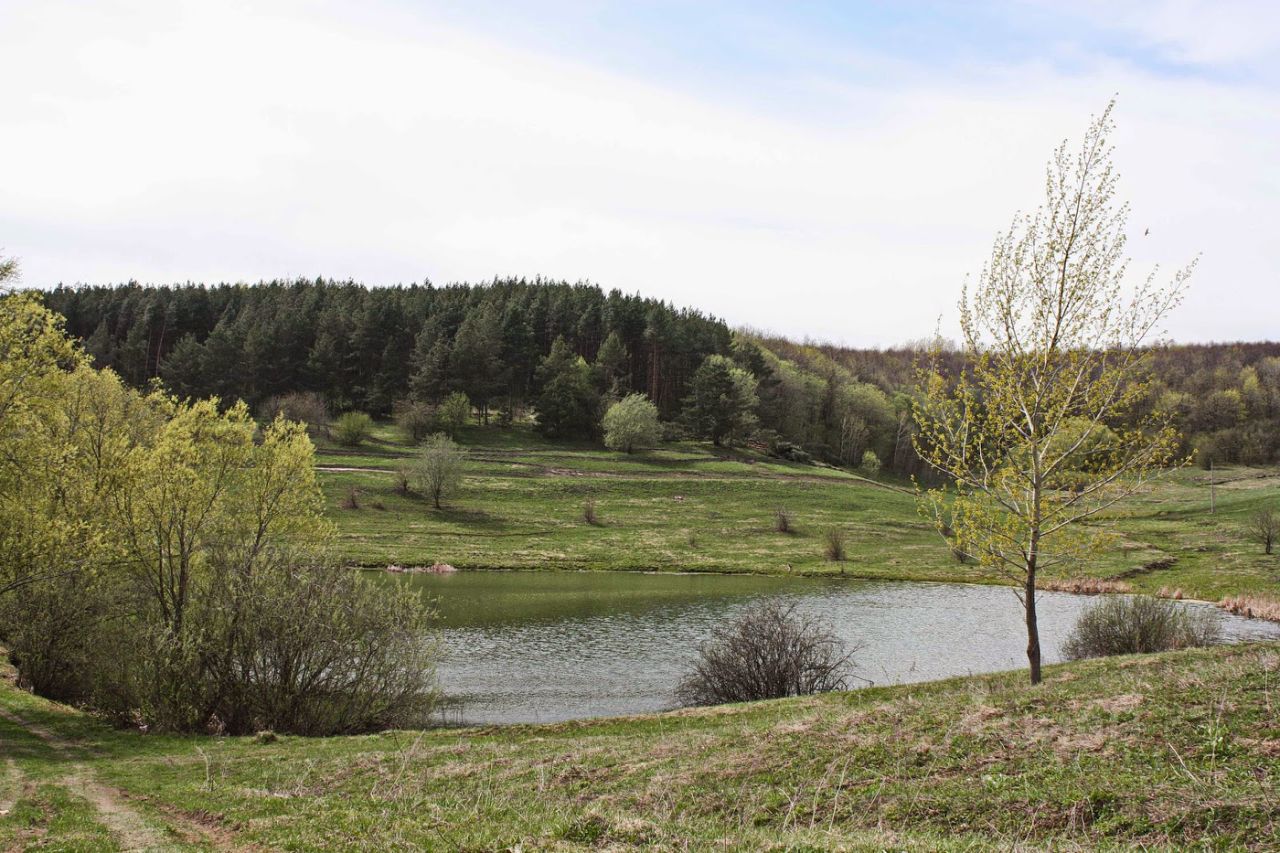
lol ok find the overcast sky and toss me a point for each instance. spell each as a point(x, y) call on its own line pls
point(830, 170)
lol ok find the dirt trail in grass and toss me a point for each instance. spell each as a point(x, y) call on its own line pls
point(10, 786)
point(553, 471)
point(129, 829)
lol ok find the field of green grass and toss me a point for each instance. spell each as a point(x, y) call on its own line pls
point(1168, 751)
point(692, 507)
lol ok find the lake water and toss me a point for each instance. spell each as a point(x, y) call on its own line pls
point(525, 647)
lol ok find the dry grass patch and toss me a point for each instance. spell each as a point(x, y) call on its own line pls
point(1085, 586)
point(1252, 607)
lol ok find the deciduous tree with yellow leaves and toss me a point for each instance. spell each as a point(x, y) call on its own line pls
point(1051, 420)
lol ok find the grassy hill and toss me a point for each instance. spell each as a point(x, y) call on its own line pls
point(1180, 749)
point(692, 507)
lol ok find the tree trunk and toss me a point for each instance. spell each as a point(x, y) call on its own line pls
point(1033, 627)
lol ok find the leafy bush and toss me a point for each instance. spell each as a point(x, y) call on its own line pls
point(1122, 625)
point(299, 645)
point(438, 468)
point(239, 621)
point(870, 463)
point(453, 413)
point(770, 652)
point(631, 424)
point(589, 514)
point(353, 429)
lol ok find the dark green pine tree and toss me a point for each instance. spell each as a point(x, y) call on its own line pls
point(183, 368)
point(429, 382)
point(133, 357)
point(721, 400)
point(100, 346)
point(332, 362)
point(567, 403)
point(519, 356)
point(477, 359)
point(611, 366)
point(223, 373)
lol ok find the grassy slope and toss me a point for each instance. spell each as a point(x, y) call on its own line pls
point(1179, 749)
point(687, 508)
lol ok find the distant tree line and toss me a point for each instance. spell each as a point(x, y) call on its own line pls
point(568, 351)
point(367, 348)
point(1225, 397)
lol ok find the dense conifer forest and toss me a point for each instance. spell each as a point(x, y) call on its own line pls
point(375, 349)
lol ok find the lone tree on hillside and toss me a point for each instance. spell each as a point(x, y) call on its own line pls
point(1050, 421)
point(1264, 527)
point(437, 469)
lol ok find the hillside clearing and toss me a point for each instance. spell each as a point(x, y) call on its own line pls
point(690, 507)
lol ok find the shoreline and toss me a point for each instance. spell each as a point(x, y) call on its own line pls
point(1267, 610)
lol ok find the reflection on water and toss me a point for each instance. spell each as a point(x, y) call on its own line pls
point(541, 647)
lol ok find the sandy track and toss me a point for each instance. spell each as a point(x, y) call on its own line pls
point(129, 828)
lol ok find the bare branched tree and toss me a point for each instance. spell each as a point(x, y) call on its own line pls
point(1264, 528)
point(772, 651)
point(1048, 425)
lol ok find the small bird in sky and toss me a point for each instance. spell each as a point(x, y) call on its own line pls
point(1146, 233)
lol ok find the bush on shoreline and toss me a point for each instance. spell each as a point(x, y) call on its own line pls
point(770, 652)
point(1123, 625)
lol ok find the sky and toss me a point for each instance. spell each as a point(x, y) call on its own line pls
point(825, 170)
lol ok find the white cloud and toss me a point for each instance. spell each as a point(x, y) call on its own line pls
point(216, 141)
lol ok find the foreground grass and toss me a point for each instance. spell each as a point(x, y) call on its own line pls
point(690, 507)
point(1173, 750)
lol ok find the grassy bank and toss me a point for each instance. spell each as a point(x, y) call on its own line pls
point(1178, 749)
point(691, 507)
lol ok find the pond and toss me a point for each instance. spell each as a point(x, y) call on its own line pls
point(525, 647)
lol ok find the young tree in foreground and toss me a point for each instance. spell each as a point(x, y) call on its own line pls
point(1049, 423)
point(631, 424)
point(437, 471)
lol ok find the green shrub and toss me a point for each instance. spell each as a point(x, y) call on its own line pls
point(453, 413)
point(1123, 625)
point(631, 424)
point(870, 463)
point(353, 429)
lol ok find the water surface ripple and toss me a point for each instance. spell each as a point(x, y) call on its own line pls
point(541, 647)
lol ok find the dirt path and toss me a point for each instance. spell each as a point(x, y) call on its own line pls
point(10, 786)
point(552, 471)
point(129, 828)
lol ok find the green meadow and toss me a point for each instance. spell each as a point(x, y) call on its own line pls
point(694, 507)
